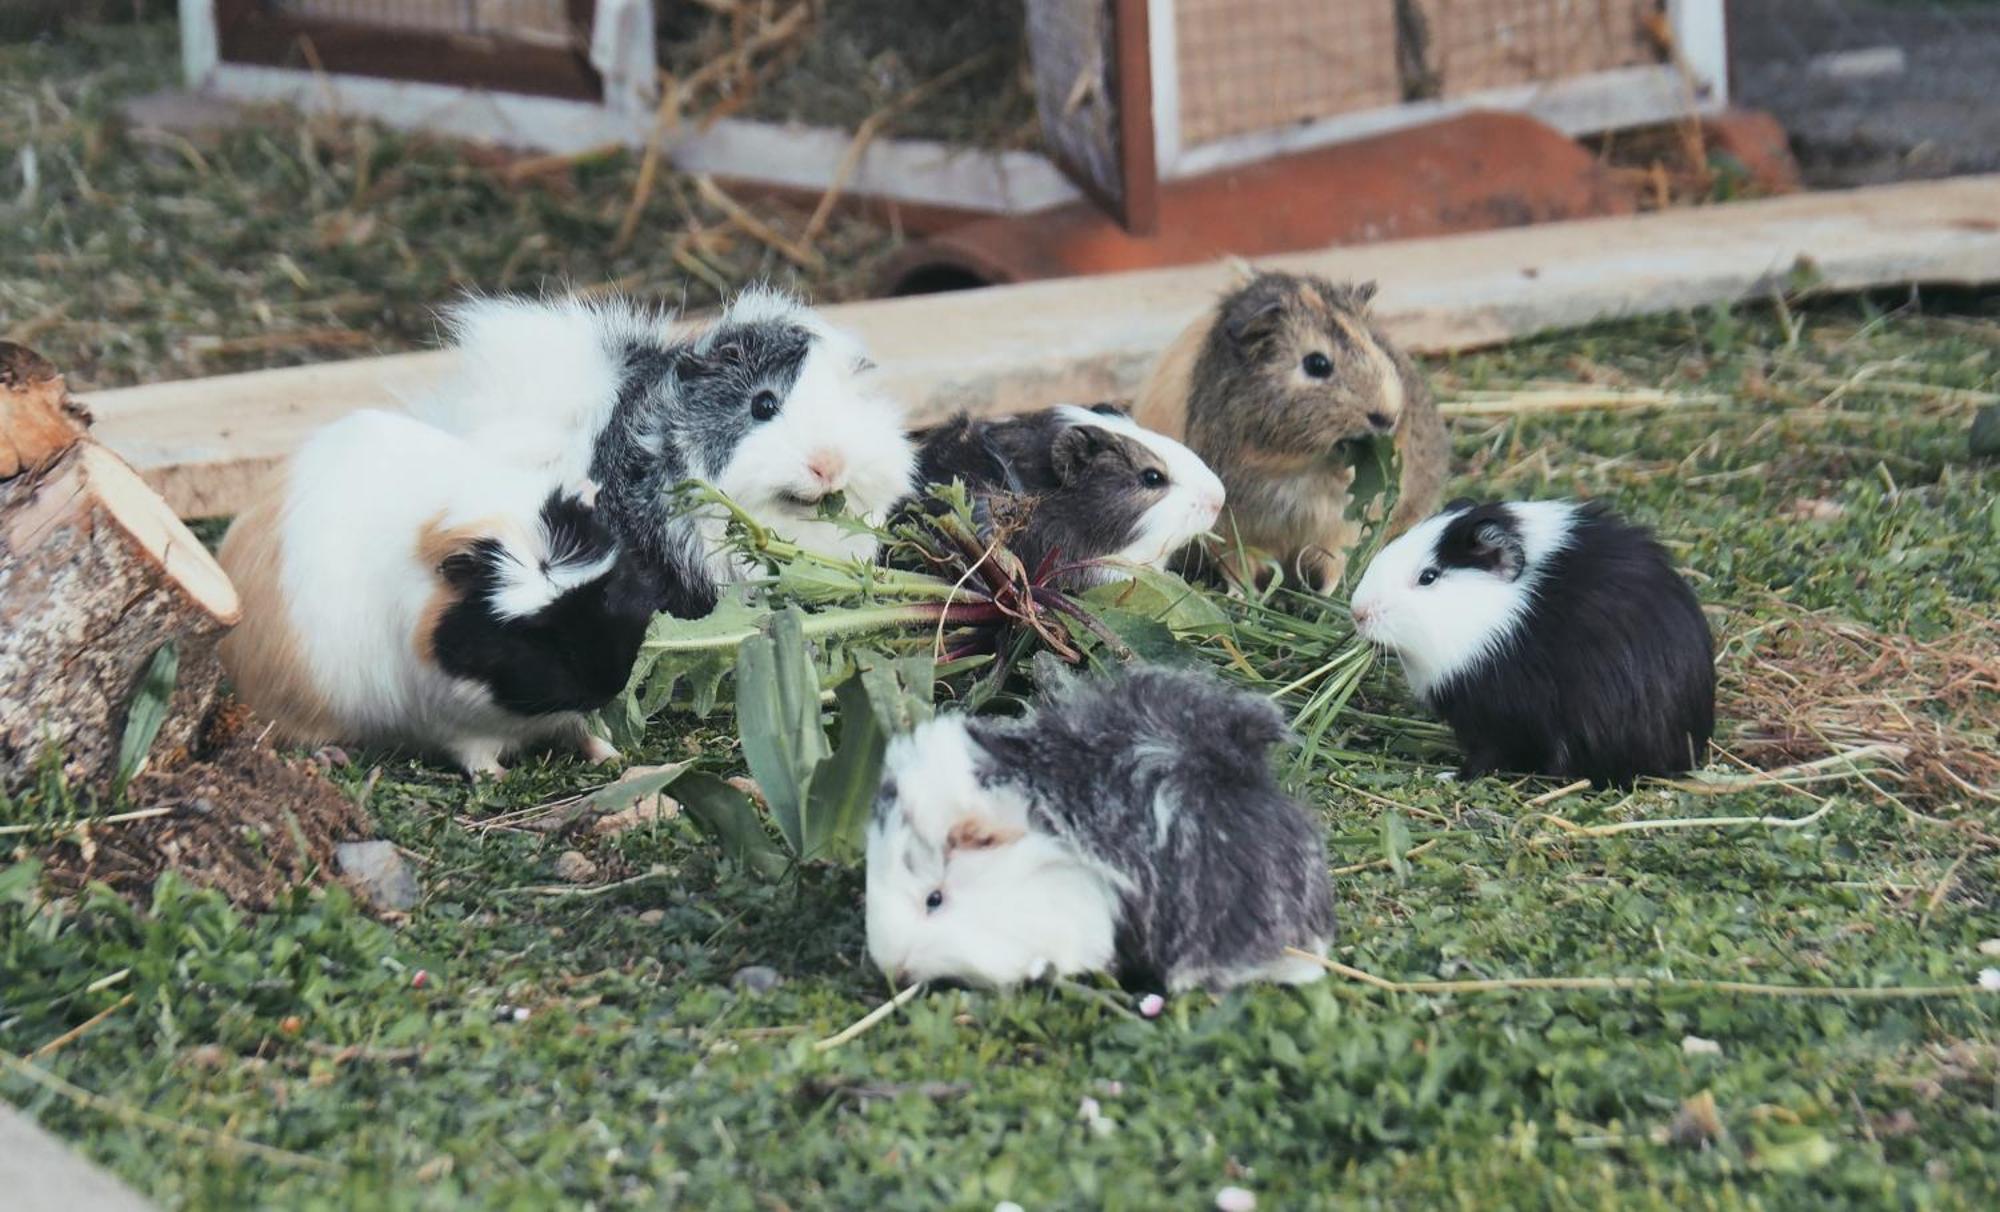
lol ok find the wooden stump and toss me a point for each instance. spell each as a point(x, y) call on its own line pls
point(96, 575)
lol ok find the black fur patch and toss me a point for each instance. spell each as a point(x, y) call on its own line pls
point(1610, 674)
point(1239, 871)
point(1078, 484)
point(574, 654)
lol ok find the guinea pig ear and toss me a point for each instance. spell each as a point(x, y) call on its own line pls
point(1498, 550)
point(1459, 505)
point(1361, 294)
point(1112, 408)
point(1252, 316)
point(1074, 449)
point(971, 832)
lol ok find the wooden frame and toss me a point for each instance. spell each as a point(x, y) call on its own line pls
point(247, 32)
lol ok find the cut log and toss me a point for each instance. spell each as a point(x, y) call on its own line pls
point(96, 576)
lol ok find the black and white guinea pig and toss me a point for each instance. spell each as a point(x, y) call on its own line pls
point(1130, 825)
point(400, 586)
point(1092, 487)
point(1552, 637)
point(767, 402)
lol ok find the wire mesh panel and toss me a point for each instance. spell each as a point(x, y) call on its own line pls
point(1480, 44)
point(1248, 65)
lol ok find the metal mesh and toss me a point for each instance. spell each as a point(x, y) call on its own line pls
point(536, 21)
point(1248, 65)
point(1874, 90)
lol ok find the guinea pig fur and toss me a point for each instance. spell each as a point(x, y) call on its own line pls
point(768, 403)
point(1551, 636)
point(1089, 487)
point(401, 587)
point(1270, 388)
point(1130, 825)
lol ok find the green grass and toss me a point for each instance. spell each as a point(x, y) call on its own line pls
point(629, 1085)
point(643, 1078)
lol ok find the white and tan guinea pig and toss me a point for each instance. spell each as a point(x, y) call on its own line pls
point(767, 402)
point(1090, 488)
point(400, 587)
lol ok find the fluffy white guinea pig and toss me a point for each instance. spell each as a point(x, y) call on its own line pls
point(768, 402)
point(1129, 824)
point(402, 587)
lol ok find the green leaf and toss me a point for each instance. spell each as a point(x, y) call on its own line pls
point(147, 713)
point(1161, 597)
point(635, 784)
point(731, 818)
point(1396, 843)
point(19, 881)
point(777, 717)
point(844, 785)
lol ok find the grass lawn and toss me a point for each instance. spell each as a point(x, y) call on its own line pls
point(1820, 495)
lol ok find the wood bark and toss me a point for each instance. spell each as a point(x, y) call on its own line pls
point(96, 575)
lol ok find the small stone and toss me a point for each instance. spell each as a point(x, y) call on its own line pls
point(1695, 1045)
point(1985, 437)
point(504, 1013)
point(573, 867)
point(332, 757)
point(1235, 1199)
point(1151, 1005)
point(1990, 947)
point(381, 874)
point(756, 979)
point(1008, 1205)
point(521, 1014)
point(653, 917)
point(1989, 979)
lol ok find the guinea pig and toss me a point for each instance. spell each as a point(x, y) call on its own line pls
point(1553, 638)
point(767, 402)
point(1130, 825)
point(1273, 388)
point(1092, 489)
point(400, 586)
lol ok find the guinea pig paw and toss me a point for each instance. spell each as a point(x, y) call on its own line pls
point(596, 750)
point(479, 759)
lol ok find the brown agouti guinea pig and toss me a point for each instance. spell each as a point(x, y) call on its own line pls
point(1271, 388)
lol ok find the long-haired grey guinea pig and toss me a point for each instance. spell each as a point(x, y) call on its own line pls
point(1130, 825)
point(767, 402)
point(1553, 638)
point(401, 587)
point(1088, 487)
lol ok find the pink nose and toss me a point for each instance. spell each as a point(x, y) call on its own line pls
point(827, 467)
point(1364, 615)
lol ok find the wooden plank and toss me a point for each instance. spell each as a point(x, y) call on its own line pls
point(1016, 347)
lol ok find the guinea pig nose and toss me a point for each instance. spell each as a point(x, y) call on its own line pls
point(1381, 420)
point(826, 466)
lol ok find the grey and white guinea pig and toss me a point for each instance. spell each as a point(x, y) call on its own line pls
point(767, 402)
point(1273, 386)
point(1087, 487)
point(1552, 637)
point(1130, 825)
point(402, 587)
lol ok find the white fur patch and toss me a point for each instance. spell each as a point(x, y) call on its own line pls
point(1465, 616)
point(1193, 501)
point(1028, 907)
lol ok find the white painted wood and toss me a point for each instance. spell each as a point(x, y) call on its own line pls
point(1629, 96)
point(1163, 48)
point(201, 443)
point(625, 54)
point(1701, 34)
point(200, 45)
point(908, 170)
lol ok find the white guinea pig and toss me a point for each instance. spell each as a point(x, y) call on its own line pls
point(1552, 637)
point(401, 587)
point(1096, 491)
point(767, 402)
point(1131, 825)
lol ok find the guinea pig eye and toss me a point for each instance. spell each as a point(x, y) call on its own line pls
point(764, 405)
point(1153, 477)
point(1427, 576)
point(935, 901)
point(1318, 365)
